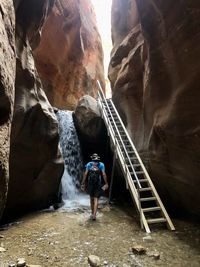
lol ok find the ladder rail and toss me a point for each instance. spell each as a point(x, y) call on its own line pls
point(114, 139)
point(122, 143)
point(124, 148)
point(124, 167)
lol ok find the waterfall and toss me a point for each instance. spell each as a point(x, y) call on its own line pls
point(73, 173)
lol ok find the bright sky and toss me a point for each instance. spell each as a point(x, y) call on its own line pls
point(103, 14)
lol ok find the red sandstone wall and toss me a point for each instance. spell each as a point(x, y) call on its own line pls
point(155, 77)
point(30, 162)
point(69, 58)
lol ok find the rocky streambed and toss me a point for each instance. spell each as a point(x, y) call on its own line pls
point(66, 238)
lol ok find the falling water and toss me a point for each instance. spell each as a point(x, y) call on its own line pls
point(73, 172)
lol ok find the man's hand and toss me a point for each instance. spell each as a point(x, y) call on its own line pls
point(83, 187)
point(105, 187)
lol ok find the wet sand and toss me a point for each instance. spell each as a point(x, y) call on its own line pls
point(63, 238)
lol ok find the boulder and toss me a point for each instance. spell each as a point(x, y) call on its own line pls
point(88, 118)
point(90, 127)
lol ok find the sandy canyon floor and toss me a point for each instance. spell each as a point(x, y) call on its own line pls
point(64, 238)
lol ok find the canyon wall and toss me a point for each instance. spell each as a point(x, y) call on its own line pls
point(69, 58)
point(7, 82)
point(30, 152)
point(154, 73)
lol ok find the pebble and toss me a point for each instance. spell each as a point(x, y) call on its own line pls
point(155, 255)
point(21, 262)
point(1, 236)
point(106, 209)
point(138, 249)
point(2, 249)
point(148, 239)
point(94, 261)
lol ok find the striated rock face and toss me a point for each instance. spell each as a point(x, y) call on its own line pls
point(7, 80)
point(69, 57)
point(155, 72)
point(35, 163)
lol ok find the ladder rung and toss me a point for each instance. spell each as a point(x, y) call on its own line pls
point(132, 173)
point(114, 116)
point(156, 220)
point(136, 165)
point(132, 158)
point(128, 146)
point(145, 189)
point(123, 135)
point(141, 180)
point(139, 172)
point(151, 209)
point(147, 199)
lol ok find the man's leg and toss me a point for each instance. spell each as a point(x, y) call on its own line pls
point(95, 207)
point(92, 204)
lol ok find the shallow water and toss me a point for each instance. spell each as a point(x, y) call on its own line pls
point(66, 238)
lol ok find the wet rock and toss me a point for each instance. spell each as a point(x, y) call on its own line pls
point(138, 249)
point(21, 262)
point(94, 261)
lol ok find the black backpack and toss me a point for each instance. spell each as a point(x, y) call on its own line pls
point(94, 174)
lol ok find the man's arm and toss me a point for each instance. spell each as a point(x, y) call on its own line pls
point(105, 180)
point(84, 179)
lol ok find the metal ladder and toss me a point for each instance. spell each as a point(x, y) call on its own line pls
point(138, 181)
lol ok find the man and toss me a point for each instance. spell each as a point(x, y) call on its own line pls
point(94, 170)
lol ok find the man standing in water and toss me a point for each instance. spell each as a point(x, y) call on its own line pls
point(94, 170)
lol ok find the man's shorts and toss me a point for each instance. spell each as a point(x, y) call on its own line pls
point(94, 190)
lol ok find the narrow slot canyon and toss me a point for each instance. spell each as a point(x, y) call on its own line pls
point(116, 78)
